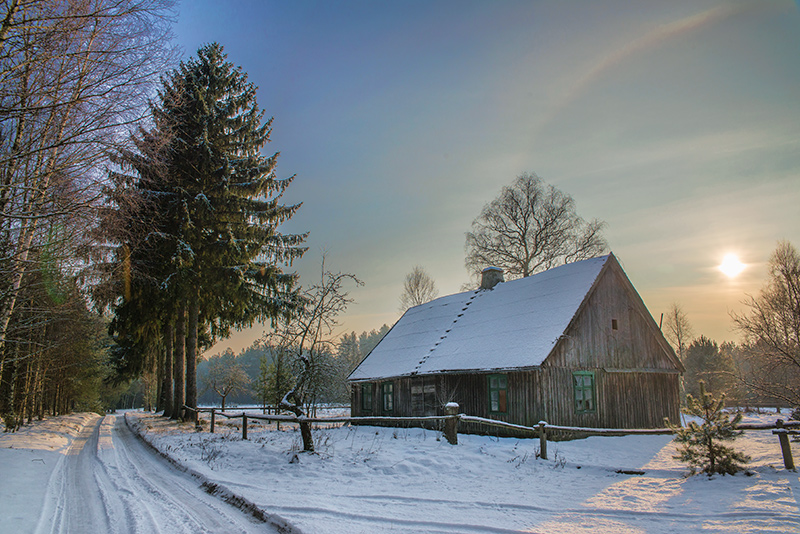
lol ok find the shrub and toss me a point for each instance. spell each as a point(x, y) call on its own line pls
point(701, 446)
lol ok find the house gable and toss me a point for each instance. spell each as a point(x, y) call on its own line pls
point(613, 330)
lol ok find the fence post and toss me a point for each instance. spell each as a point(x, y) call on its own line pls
point(244, 425)
point(788, 461)
point(213, 413)
point(542, 440)
point(451, 423)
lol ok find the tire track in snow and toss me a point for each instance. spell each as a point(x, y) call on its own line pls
point(109, 481)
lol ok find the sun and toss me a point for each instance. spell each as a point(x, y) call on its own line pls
point(731, 266)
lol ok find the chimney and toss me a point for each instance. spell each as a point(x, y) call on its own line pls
point(491, 276)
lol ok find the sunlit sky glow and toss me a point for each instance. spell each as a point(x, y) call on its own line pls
point(678, 123)
point(731, 266)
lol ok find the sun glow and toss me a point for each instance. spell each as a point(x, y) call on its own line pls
point(731, 266)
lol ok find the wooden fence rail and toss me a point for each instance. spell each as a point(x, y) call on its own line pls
point(449, 425)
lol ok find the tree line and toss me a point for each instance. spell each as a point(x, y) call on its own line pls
point(260, 374)
point(74, 76)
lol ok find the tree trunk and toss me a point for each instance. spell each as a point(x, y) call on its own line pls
point(159, 377)
point(305, 433)
point(191, 354)
point(180, 360)
point(167, 387)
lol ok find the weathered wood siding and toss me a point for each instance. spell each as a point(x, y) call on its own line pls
point(623, 399)
point(636, 374)
point(417, 396)
point(592, 341)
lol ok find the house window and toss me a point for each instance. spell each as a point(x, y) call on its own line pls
point(583, 382)
point(366, 397)
point(388, 396)
point(498, 387)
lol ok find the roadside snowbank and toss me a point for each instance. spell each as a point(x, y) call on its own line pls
point(368, 479)
point(29, 458)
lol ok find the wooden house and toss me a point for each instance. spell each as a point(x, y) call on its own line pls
point(573, 346)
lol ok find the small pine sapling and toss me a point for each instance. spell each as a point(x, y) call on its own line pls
point(701, 446)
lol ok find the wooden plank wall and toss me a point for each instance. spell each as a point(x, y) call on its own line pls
point(624, 399)
point(636, 378)
point(592, 342)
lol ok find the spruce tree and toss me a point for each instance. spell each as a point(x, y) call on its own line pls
point(701, 446)
point(229, 198)
point(210, 255)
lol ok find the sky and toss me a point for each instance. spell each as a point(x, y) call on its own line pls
point(677, 123)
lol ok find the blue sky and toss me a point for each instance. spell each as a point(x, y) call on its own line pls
point(678, 123)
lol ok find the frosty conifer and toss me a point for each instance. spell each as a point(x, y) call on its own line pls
point(702, 445)
point(215, 253)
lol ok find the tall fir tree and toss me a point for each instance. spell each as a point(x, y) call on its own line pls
point(214, 203)
point(229, 198)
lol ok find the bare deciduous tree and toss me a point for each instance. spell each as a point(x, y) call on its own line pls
point(529, 228)
point(309, 338)
point(226, 376)
point(678, 330)
point(772, 330)
point(418, 288)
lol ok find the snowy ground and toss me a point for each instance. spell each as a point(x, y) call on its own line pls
point(85, 473)
point(367, 479)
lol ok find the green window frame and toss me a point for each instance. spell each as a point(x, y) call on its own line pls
point(387, 390)
point(366, 397)
point(584, 387)
point(498, 393)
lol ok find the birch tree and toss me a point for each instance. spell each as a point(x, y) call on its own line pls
point(418, 288)
point(678, 330)
point(74, 76)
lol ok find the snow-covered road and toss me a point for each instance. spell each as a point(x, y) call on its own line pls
point(107, 480)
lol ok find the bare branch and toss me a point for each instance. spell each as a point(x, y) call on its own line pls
point(531, 227)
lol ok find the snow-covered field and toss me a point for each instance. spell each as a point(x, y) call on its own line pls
point(367, 479)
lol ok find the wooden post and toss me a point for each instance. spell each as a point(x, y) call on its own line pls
point(788, 461)
point(542, 440)
point(244, 425)
point(213, 413)
point(451, 423)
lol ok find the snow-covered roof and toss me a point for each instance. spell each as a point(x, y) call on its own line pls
point(515, 324)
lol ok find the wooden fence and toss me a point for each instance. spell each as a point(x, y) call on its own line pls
point(448, 423)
